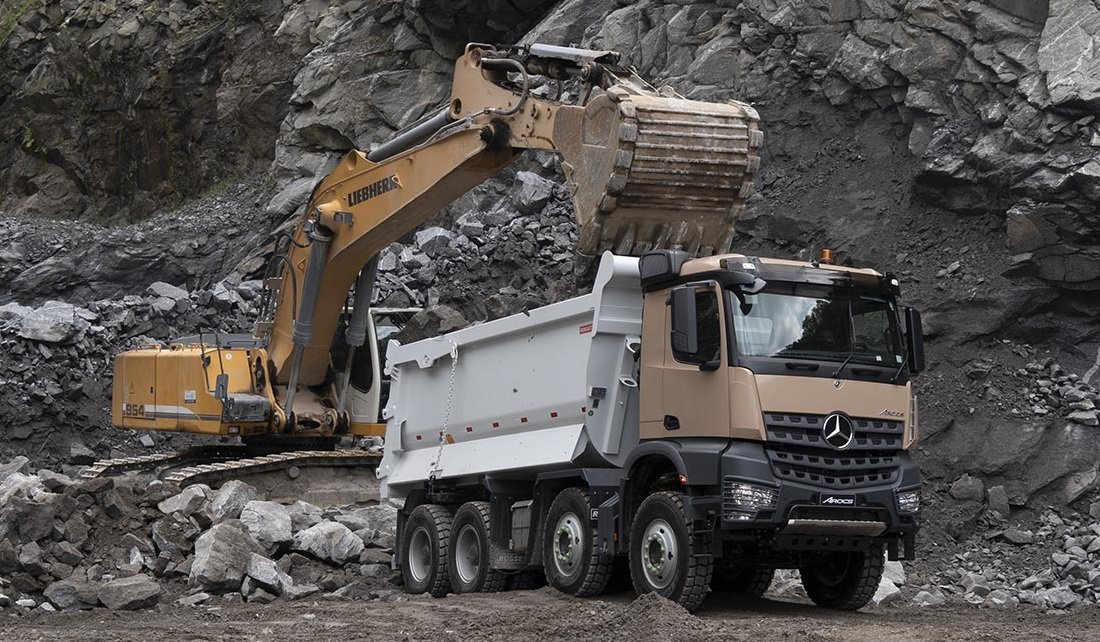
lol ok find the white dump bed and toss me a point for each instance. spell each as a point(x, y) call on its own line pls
point(552, 388)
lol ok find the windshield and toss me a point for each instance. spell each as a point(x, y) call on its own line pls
point(824, 323)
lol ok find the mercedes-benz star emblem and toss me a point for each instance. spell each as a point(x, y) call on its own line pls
point(838, 431)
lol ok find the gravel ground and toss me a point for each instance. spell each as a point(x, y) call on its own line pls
point(546, 615)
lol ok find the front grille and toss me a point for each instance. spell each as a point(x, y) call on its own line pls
point(798, 452)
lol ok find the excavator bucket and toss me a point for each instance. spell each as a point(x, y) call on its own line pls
point(672, 174)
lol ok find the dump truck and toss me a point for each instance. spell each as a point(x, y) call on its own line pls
point(646, 168)
point(706, 421)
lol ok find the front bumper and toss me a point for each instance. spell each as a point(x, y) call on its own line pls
point(804, 516)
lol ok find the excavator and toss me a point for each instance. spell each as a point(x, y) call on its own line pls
point(647, 169)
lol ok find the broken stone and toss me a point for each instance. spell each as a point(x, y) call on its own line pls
point(531, 192)
point(130, 593)
point(55, 322)
point(267, 574)
point(329, 541)
point(269, 523)
point(194, 600)
point(998, 501)
point(188, 501)
point(221, 556)
point(230, 499)
point(167, 291)
point(1019, 537)
point(967, 488)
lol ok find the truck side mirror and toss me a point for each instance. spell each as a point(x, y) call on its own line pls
point(684, 336)
point(914, 338)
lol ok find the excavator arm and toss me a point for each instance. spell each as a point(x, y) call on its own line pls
point(647, 169)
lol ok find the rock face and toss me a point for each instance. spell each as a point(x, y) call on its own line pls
point(1067, 53)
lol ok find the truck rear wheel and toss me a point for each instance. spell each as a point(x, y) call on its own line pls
point(748, 581)
point(845, 581)
point(569, 555)
point(470, 561)
point(424, 545)
point(665, 557)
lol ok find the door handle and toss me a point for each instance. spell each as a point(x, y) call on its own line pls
point(672, 422)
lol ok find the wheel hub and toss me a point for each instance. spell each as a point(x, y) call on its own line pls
point(467, 554)
point(420, 554)
point(568, 545)
point(660, 554)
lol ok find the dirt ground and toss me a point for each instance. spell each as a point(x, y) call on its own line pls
point(544, 615)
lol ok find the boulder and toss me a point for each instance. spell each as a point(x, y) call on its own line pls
point(329, 541)
point(31, 558)
point(19, 464)
point(66, 553)
point(164, 290)
point(967, 488)
point(434, 239)
point(188, 501)
point(221, 556)
point(998, 501)
point(193, 600)
point(130, 593)
point(530, 192)
point(230, 499)
point(303, 515)
point(55, 322)
point(1019, 537)
point(267, 574)
point(71, 594)
point(174, 534)
point(268, 522)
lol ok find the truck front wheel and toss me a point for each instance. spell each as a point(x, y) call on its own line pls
point(425, 540)
point(665, 557)
point(572, 563)
point(470, 560)
point(845, 581)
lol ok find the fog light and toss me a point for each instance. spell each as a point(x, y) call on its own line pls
point(741, 500)
point(909, 501)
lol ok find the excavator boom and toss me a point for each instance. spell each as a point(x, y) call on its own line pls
point(647, 169)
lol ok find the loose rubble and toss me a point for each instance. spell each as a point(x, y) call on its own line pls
point(125, 543)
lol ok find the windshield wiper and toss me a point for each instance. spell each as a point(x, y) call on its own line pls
point(904, 362)
point(836, 373)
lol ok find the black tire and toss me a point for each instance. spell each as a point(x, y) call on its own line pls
point(526, 580)
point(666, 558)
point(570, 556)
point(470, 557)
point(424, 543)
point(845, 581)
point(747, 581)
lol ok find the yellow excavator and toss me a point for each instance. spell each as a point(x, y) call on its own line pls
point(647, 169)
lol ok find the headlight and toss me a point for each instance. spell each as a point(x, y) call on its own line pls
point(909, 501)
point(740, 500)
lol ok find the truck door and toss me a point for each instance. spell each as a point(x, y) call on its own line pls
point(693, 388)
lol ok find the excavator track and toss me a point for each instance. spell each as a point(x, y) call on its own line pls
point(117, 466)
point(212, 473)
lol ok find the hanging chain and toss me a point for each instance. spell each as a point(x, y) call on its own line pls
point(446, 412)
